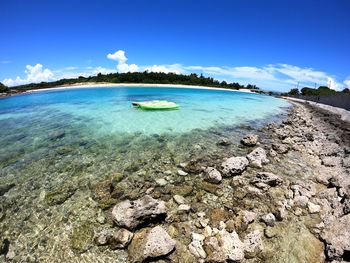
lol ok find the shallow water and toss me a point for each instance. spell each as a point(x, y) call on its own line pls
point(55, 144)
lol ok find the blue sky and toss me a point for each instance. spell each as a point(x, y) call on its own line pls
point(274, 44)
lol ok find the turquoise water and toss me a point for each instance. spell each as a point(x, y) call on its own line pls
point(108, 110)
point(56, 146)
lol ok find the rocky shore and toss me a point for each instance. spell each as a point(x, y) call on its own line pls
point(283, 197)
point(289, 216)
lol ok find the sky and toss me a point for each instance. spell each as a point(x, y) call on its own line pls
point(277, 45)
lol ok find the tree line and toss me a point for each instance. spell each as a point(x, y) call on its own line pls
point(320, 91)
point(140, 77)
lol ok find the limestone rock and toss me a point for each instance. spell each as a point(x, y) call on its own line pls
point(131, 214)
point(161, 182)
point(269, 219)
point(337, 237)
point(257, 157)
point(150, 244)
point(280, 148)
point(313, 208)
point(212, 175)
point(214, 251)
point(179, 199)
point(196, 246)
point(120, 239)
point(250, 140)
point(346, 162)
point(234, 166)
point(184, 208)
point(253, 244)
point(224, 142)
point(267, 178)
point(231, 245)
point(331, 161)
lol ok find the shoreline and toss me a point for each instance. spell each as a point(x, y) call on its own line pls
point(135, 85)
point(116, 85)
point(344, 114)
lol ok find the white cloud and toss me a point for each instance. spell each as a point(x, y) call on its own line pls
point(103, 70)
point(174, 68)
point(122, 66)
point(118, 56)
point(34, 74)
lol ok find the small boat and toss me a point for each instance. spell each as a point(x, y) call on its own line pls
point(156, 105)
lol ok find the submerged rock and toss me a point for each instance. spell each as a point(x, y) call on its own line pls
point(131, 214)
point(267, 178)
point(250, 140)
point(82, 237)
point(150, 244)
point(5, 188)
point(179, 199)
point(212, 175)
point(224, 142)
point(280, 148)
point(257, 157)
point(120, 239)
point(234, 166)
point(60, 194)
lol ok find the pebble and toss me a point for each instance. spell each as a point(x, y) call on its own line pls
point(161, 182)
point(182, 173)
point(269, 219)
point(313, 208)
point(184, 207)
point(179, 199)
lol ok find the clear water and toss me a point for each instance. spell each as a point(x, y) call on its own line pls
point(109, 110)
point(56, 145)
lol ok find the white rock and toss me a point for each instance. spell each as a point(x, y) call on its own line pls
point(231, 245)
point(120, 239)
point(269, 219)
point(196, 246)
point(179, 199)
point(253, 243)
point(313, 208)
point(184, 207)
point(182, 173)
point(234, 166)
point(257, 158)
point(161, 182)
point(301, 200)
point(212, 175)
point(130, 214)
point(207, 231)
point(248, 217)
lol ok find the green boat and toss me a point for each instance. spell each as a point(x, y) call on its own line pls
point(156, 105)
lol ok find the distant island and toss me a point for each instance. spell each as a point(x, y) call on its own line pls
point(134, 77)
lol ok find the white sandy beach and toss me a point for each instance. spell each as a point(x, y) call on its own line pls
point(112, 85)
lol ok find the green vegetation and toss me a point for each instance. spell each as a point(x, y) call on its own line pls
point(140, 77)
point(3, 88)
point(306, 91)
